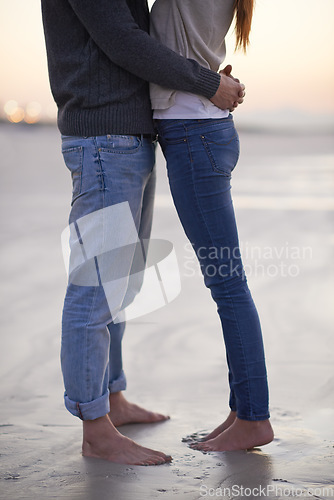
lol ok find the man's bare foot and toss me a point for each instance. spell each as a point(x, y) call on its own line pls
point(122, 412)
point(222, 427)
point(240, 435)
point(102, 440)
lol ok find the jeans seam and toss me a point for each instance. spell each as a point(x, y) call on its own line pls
point(101, 172)
point(79, 411)
point(88, 378)
point(102, 189)
point(153, 146)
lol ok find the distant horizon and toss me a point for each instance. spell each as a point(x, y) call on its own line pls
point(275, 121)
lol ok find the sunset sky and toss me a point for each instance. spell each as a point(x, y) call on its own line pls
point(288, 70)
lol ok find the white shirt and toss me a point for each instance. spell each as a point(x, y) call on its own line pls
point(188, 106)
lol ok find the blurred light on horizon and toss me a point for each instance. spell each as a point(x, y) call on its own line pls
point(33, 112)
point(14, 112)
point(10, 107)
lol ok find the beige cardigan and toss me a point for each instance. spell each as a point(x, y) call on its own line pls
point(195, 29)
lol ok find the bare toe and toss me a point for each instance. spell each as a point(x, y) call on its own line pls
point(197, 446)
point(222, 427)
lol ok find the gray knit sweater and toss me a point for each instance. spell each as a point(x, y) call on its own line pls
point(100, 60)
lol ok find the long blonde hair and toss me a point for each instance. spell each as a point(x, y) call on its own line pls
point(243, 12)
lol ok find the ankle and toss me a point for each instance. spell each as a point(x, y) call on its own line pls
point(99, 426)
point(254, 423)
point(116, 397)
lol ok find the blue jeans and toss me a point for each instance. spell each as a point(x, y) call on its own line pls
point(201, 155)
point(109, 174)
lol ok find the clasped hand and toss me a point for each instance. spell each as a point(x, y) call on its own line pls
point(230, 92)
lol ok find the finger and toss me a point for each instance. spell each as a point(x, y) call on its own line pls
point(233, 78)
point(227, 70)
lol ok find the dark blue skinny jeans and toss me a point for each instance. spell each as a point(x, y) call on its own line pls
point(201, 155)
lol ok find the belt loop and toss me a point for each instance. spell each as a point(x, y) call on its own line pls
point(151, 137)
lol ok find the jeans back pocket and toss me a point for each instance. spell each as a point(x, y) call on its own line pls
point(222, 147)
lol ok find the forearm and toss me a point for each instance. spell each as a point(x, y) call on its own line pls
point(113, 29)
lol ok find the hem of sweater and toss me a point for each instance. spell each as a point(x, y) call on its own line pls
point(207, 83)
point(103, 121)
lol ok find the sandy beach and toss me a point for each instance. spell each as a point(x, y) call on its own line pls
point(174, 356)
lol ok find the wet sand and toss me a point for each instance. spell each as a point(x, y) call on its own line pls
point(174, 357)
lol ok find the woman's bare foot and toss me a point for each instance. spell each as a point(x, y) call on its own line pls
point(102, 440)
point(122, 412)
point(222, 427)
point(240, 435)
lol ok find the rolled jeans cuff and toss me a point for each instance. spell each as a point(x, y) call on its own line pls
point(89, 411)
point(119, 384)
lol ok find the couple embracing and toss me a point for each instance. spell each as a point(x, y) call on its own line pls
point(122, 79)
